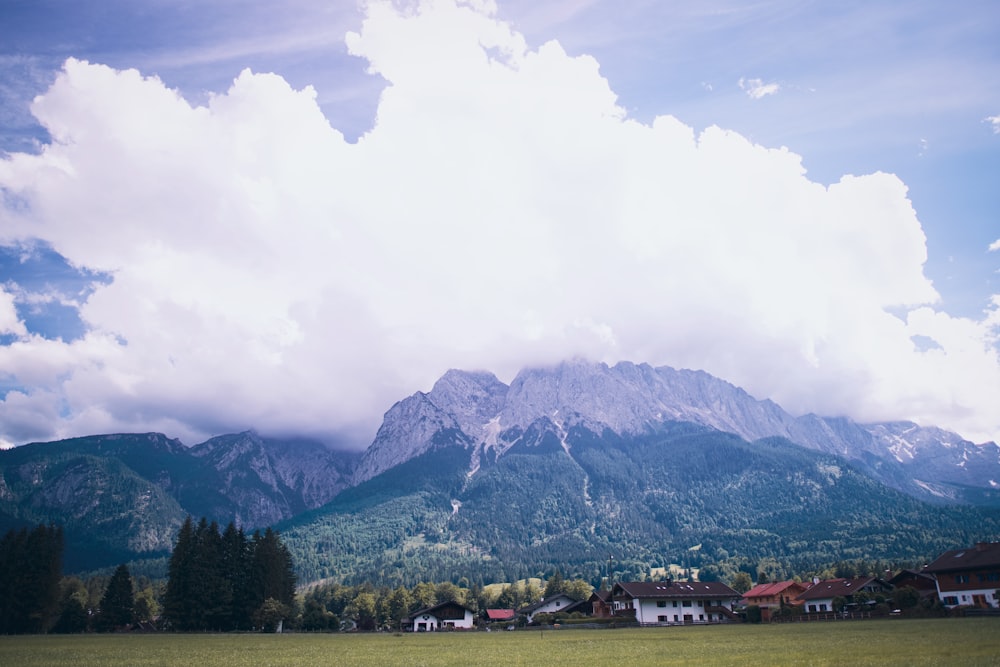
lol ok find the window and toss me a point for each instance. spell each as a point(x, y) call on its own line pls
point(661, 603)
point(822, 607)
point(661, 619)
point(961, 578)
point(687, 603)
point(951, 600)
point(675, 603)
point(701, 617)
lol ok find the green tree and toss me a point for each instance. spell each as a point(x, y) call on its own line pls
point(398, 605)
point(117, 608)
point(273, 572)
point(146, 606)
point(179, 597)
point(362, 609)
point(555, 585)
point(30, 574)
point(271, 614)
point(741, 582)
point(315, 617)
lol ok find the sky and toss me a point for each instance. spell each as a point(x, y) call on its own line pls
point(288, 216)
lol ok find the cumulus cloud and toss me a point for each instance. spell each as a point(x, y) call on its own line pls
point(503, 211)
point(756, 88)
point(995, 122)
point(995, 245)
point(10, 323)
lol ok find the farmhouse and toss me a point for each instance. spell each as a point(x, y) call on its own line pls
point(449, 615)
point(773, 596)
point(968, 576)
point(675, 602)
point(818, 598)
point(549, 605)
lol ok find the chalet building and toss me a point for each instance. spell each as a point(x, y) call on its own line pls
point(450, 615)
point(675, 602)
point(968, 576)
point(818, 598)
point(772, 596)
point(920, 580)
point(600, 603)
point(549, 605)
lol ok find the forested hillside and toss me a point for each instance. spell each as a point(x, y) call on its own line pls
point(686, 494)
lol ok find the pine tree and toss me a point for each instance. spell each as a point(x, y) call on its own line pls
point(118, 604)
point(178, 598)
point(30, 571)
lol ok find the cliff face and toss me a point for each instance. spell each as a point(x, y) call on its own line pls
point(479, 412)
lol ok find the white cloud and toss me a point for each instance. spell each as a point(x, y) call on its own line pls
point(995, 245)
point(756, 88)
point(995, 122)
point(502, 212)
point(10, 323)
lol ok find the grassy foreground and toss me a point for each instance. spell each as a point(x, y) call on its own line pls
point(973, 641)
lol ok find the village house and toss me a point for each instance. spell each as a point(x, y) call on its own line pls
point(499, 615)
point(968, 576)
point(774, 595)
point(450, 615)
point(600, 603)
point(819, 597)
point(675, 602)
point(550, 605)
point(921, 581)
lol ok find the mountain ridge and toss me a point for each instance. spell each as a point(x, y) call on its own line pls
point(473, 443)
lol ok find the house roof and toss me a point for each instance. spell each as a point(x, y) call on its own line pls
point(499, 614)
point(911, 577)
point(530, 609)
point(773, 589)
point(831, 588)
point(675, 589)
point(984, 554)
point(446, 611)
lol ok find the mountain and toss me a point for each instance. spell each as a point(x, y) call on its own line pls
point(561, 468)
point(571, 463)
point(123, 496)
point(569, 498)
point(633, 399)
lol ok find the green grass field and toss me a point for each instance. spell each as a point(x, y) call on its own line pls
point(974, 641)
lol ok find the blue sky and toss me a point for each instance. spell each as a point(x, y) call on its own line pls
point(897, 318)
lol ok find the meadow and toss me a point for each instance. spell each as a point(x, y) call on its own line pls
point(972, 641)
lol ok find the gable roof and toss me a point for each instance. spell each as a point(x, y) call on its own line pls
point(913, 578)
point(500, 614)
point(831, 588)
point(984, 554)
point(773, 589)
point(446, 611)
point(661, 590)
point(529, 609)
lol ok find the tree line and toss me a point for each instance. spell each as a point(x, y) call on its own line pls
point(217, 580)
point(332, 606)
point(225, 580)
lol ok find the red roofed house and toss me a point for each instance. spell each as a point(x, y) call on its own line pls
point(497, 615)
point(968, 576)
point(773, 596)
point(818, 598)
point(675, 602)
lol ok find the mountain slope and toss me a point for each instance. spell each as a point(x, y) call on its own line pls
point(569, 498)
point(631, 399)
point(124, 496)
